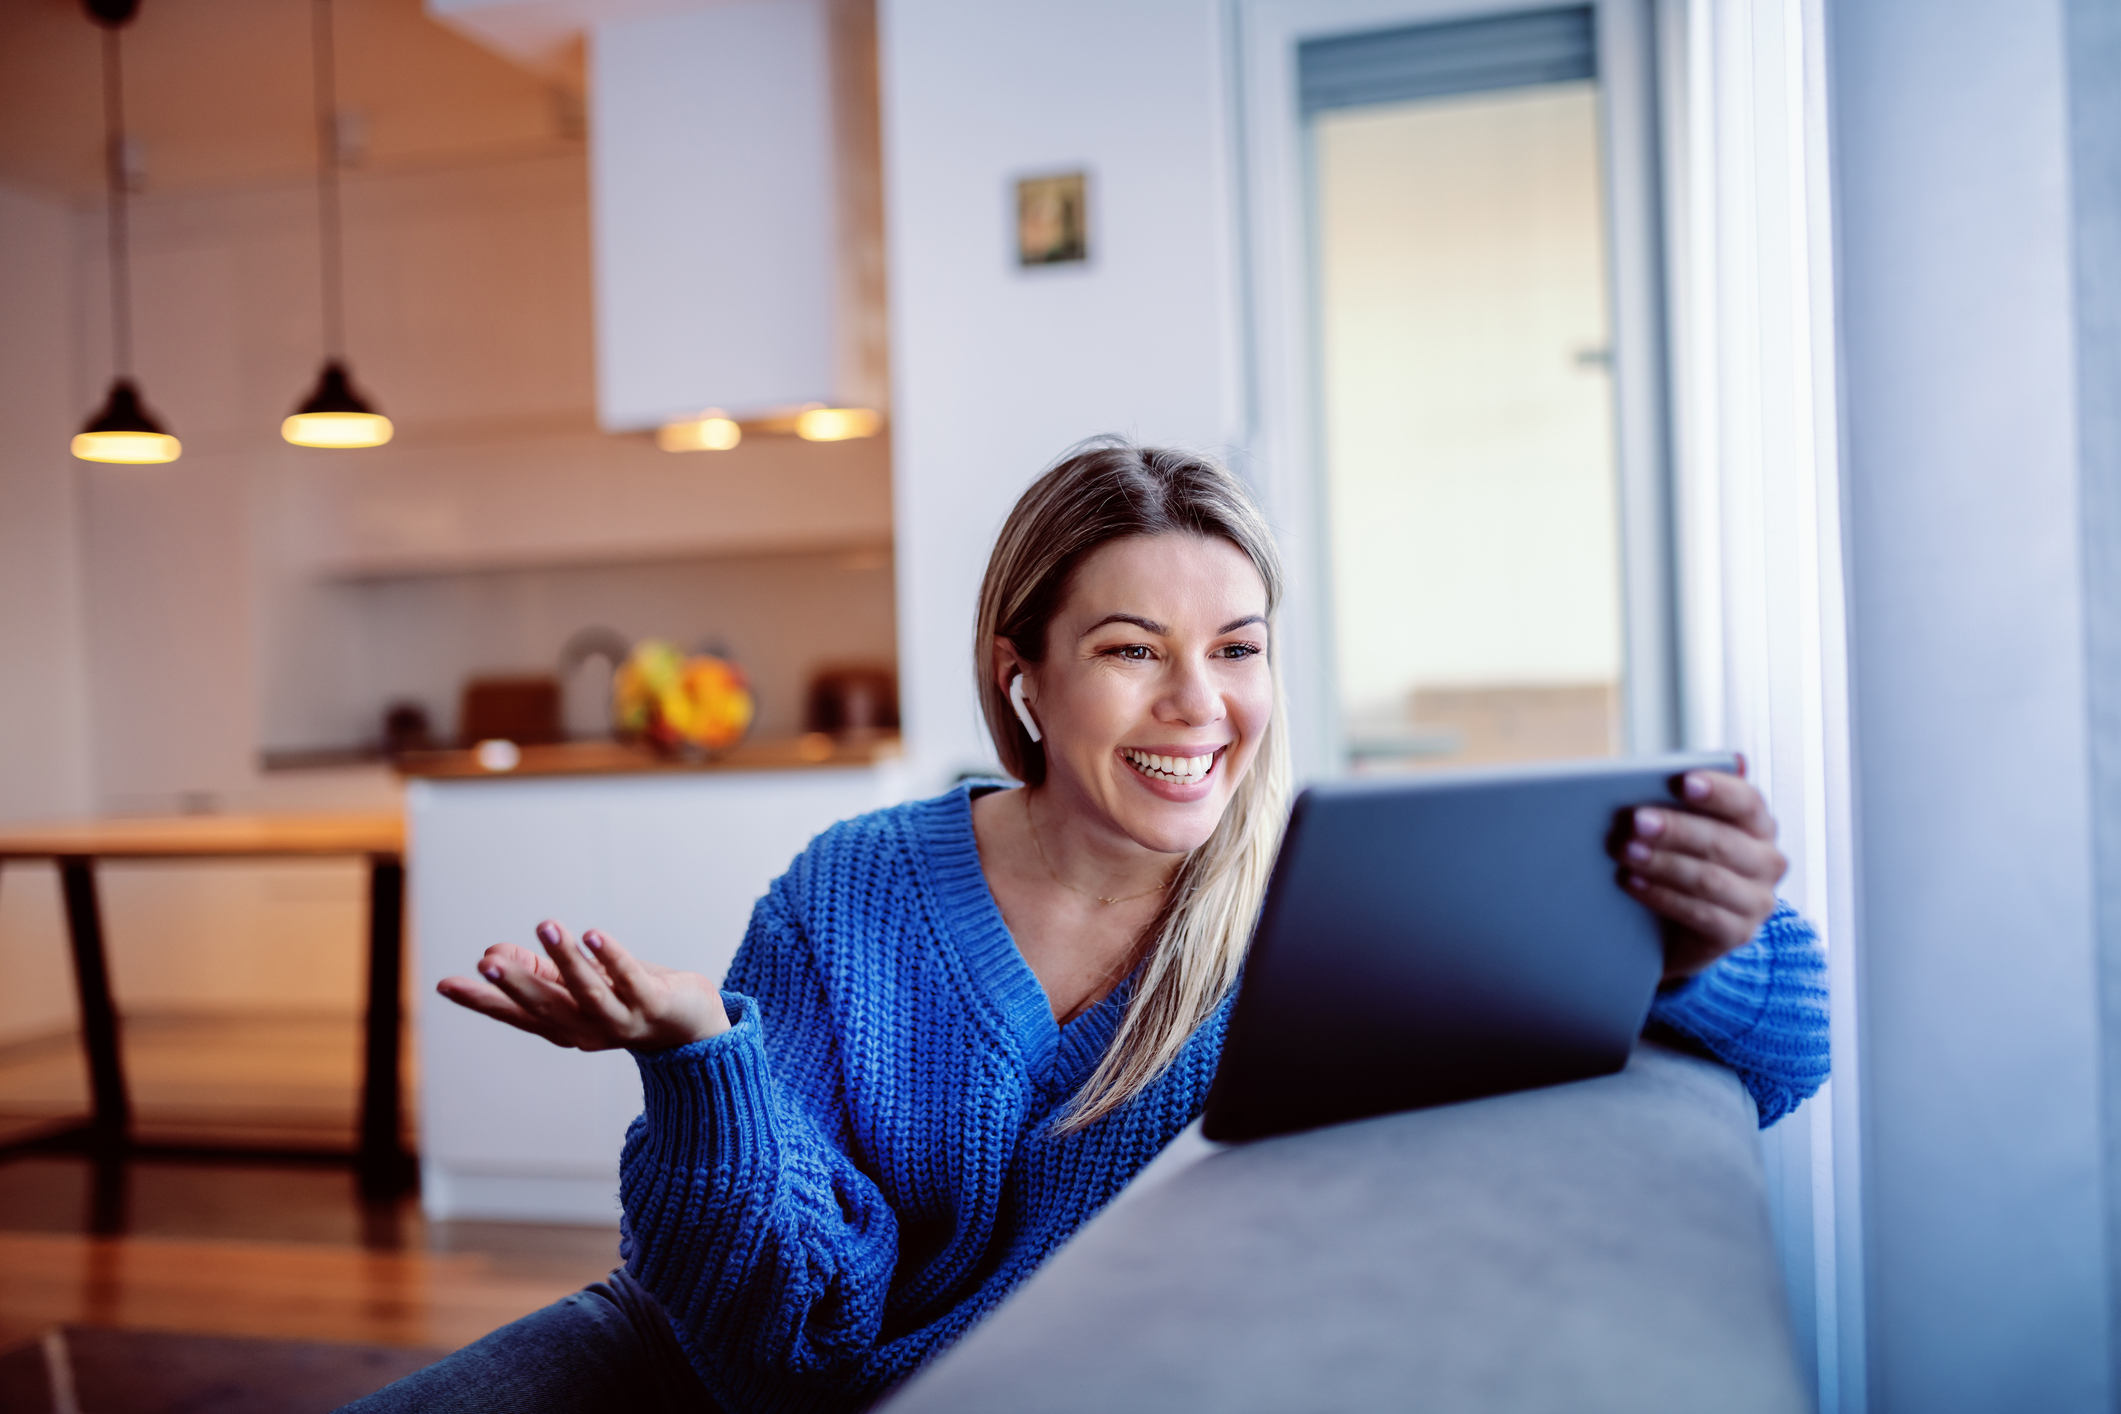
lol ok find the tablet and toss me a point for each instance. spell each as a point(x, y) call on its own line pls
point(1434, 938)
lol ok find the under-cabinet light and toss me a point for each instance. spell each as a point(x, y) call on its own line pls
point(836, 424)
point(710, 432)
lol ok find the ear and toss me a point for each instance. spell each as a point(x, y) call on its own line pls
point(1007, 663)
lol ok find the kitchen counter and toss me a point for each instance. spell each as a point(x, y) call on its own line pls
point(609, 758)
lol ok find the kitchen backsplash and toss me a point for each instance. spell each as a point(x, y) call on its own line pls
point(360, 645)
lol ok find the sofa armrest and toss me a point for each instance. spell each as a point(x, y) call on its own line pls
point(1596, 1246)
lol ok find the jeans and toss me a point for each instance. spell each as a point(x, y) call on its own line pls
point(607, 1347)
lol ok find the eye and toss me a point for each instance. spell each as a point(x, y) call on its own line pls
point(1238, 651)
point(1132, 652)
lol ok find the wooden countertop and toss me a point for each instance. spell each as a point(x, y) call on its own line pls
point(611, 758)
point(207, 836)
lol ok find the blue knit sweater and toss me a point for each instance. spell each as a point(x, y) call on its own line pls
point(862, 1166)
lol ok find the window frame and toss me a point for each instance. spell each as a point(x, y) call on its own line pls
point(1283, 398)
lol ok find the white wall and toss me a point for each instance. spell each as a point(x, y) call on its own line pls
point(995, 370)
point(43, 687)
point(44, 758)
point(1984, 1204)
point(2094, 30)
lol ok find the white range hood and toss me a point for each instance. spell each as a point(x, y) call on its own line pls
point(715, 172)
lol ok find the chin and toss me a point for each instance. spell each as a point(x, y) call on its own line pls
point(1173, 842)
point(1171, 827)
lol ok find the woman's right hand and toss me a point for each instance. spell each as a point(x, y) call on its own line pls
point(591, 996)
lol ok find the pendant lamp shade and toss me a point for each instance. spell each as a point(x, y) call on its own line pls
point(336, 415)
point(125, 431)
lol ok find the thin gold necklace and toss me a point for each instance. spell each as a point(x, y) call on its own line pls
point(1032, 821)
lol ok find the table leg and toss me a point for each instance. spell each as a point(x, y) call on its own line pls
point(109, 1195)
point(385, 1169)
point(112, 1125)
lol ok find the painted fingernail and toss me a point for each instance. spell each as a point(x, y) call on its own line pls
point(594, 940)
point(1638, 852)
point(491, 974)
point(1637, 883)
point(1697, 786)
point(549, 934)
point(1741, 765)
point(1649, 823)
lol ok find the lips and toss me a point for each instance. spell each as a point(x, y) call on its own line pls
point(1177, 770)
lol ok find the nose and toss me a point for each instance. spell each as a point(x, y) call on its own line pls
point(1190, 698)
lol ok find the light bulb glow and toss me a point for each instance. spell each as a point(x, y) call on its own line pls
point(337, 429)
point(836, 424)
point(497, 754)
point(133, 448)
point(712, 433)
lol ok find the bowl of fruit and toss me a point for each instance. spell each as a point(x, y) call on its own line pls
point(682, 704)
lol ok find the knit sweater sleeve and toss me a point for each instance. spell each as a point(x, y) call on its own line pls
point(752, 1226)
point(1761, 1010)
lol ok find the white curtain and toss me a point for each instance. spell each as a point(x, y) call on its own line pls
point(1757, 514)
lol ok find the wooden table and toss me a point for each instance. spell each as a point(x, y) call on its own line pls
point(384, 1168)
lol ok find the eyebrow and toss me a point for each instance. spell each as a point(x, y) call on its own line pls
point(1152, 626)
point(1146, 625)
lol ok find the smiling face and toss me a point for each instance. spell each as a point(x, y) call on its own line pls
point(1155, 690)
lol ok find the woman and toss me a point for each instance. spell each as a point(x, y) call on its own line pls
point(956, 1028)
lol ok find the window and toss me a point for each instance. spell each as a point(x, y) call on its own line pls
point(1472, 512)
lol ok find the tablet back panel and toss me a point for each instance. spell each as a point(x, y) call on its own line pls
point(1437, 938)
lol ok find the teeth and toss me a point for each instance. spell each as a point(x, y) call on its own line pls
point(1181, 769)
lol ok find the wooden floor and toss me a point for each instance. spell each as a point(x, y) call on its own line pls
point(284, 1251)
point(278, 1289)
point(289, 1080)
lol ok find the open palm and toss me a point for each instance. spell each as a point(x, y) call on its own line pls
point(590, 995)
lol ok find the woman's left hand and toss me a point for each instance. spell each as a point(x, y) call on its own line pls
point(1710, 868)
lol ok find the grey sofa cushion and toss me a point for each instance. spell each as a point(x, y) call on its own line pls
point(1596, 1246)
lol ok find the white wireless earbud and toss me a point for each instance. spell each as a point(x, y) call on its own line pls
point(1023, 710)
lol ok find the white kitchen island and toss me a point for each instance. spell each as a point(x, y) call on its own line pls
point(667, 860)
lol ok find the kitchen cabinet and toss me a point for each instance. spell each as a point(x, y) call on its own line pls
point(737, 198)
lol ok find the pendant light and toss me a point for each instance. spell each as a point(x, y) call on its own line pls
point(335, 415)
point(123, 430)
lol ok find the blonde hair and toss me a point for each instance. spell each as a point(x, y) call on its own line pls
point(1104, 490)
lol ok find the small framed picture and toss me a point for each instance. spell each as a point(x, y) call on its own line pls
point(1052, 219)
